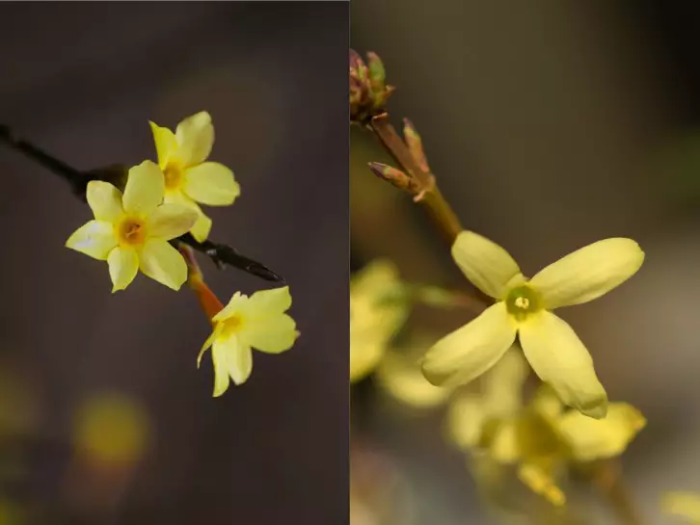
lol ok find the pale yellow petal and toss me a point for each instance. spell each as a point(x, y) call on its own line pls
point(202, 226)
point(471, 350)
point(195, 137)
point(211, 183)
point(105, 201)
point(94, 238)
point(402, 377)
point(591, 439)
point(163, 263)
point(166, 144)
point(466, 419)
point(504, 382)
point(264, 303)
point(273, 334)
point(144, 189)
point(588, 273)
point(236, 357)
point(559, 358)
point(235, 305)
point(364, 357)
point(541, 482)
point(488, 266)
point(505, 445)
point(220, 357)
point(123, 267)
point(171, 220)
point(216, 332)
point(684, 504)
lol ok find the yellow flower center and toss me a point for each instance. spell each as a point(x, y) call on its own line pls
point(173, 176)
point(523, 301)
point(131, 231)
point(232, 324)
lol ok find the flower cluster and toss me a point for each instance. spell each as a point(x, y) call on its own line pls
point(136, 230)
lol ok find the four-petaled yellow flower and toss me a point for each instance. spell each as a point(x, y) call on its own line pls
point(246, 322)
point(378, 309)
point(188, 178)
point(132, 231)
point(523, 308)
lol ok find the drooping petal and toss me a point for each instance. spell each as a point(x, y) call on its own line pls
point(216, 332)
point(588, 273)
point(403, 379)
point(488, 266)
point(236, 358)
point(166, 143)
point(264, 303)
point(163, 263)
point(220, 357)
point(171, 220)
point(94, 238)
point(144, 189)
point(590, 439)
point(123, 267)
point(105, 201)
point(504, 382)
point(211, 183)
point(471, 350)
point(195, 137)
point(202, 226)
point(272, 334)
point(559, 358)
point(466, 419)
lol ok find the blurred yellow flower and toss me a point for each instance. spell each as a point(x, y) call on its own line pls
point(188, 178)
point(683, 504)
point(111, 429)
point(132, 231)
point(523, 308)
point(377, 311)
point(244, 323)
point(540, 438)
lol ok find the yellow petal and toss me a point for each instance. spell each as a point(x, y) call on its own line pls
point(684, 504)
point(504, 382)
point(202, 226)
point(123, 267)
point(233, 356)
point(470, 351)
point(163, 263)
point(171, 220)
point(166, 144)
point(466, 419)
point(488, 266)
point(401, 376)
point(591, 439)
point(211, 183)
point(144, 189)
point(195, 137)
point(236, 305)
point(264, 303)
point(559, 358)
point(105, 201)
point(94, 238)
point(220, 357)
point(364, 357)
point(588, 273)
point(542, 483)
point(273, 334)
point(505, 446)
point(216, 332)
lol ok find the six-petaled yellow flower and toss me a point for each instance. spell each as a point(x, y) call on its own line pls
point(523, 308)
point(188, 178)
point(244, 323)
point(131, 231)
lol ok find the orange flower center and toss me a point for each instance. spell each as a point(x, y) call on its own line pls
point(131, 231)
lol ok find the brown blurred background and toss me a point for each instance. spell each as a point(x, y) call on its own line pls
point(549, 125)
point(82, 80)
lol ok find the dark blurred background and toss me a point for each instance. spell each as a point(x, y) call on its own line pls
point(549, 125)
point(104, 417)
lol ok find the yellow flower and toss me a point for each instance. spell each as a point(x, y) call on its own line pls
point(377, 311)
point(188, 178)
point(523, 308)
point(246, 322)
point(132, 231)
point(540, 438)
point(684, 504)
